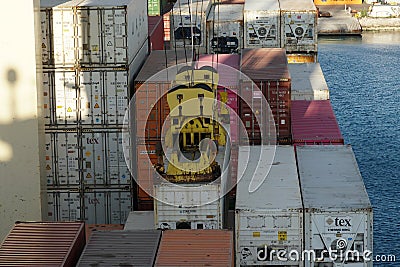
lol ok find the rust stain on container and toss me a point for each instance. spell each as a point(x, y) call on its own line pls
point(43, 244)
point(196, 248)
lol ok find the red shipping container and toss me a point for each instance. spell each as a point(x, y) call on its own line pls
point(156, 33)
point(43, 244)
point(167, 26)
point(268, 69)
point(314, 123)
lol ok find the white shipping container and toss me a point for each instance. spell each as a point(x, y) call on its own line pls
point(338, 213)
point(104, 96)
point(64, 205)
point(107, 206)
point(299, 25)
point(48, 99)
point(261, 24)
point(140, 220)
point(95, 33)
point(189, 22)
point(270, 218)
point(188, 206)
point(62, 159)
point(308, 82)
point(103, 158)
point(225, 29)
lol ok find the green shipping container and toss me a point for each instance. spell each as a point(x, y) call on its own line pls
point(154, 7)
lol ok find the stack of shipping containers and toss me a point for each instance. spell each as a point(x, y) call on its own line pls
point(271, 217)
point(268, 70)
point(87, 76)
point(299, 30)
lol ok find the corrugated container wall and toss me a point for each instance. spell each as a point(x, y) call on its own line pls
point(96, 33)
point(225, 29)
point(338, 213)
point(156, 7)
point(188, 206)
point(298, 25)
point(308, 82)
point(91, 228)
point(196, 248)
point(271, 217)
point(121, 248)
point(314, 123)
point(262, 24)
point(268, 69)
point(188, 24)
point(43, 244)
point(156, 32)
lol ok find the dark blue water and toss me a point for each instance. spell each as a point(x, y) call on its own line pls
point(363, 75)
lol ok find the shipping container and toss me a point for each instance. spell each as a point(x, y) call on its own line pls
point(271, 217)
point(62, 159)
point(140, 220)
point(46, 27)
point(298, 25)
point(188, 206)
point(43, 244)
point(311, 57)
point(156, 7)
point(64, 205)
point(196, 248)
point(231, 2)
point(91, 228)
point(268, 70)
point(188, 24)
point(225, 29)
point(308, 82)
point(103, 161)
point(338, 213)
point(262, 24)
point(156, 32)
point(107, 206)
point(314, 123)
point(94, 33)
point(121, 248)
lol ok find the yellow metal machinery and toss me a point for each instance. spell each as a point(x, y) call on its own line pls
point(194, 135)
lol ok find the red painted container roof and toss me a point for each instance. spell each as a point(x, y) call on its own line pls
point(227, 77)
point(43, 244)
point(314, 122)
point(195, 248)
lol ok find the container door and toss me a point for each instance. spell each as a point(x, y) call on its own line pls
point(66, 98)
point(64, 37)
point(94, 158)
point(91, 102)
point(89, 36)
point(70, 206)
point(115, 49)
point(67, 159)
point(48, 100)
point(116, 94)
point(95, 203)
point(120, 206)
point(45, 24)
point(50, 160)
point(117, 170)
